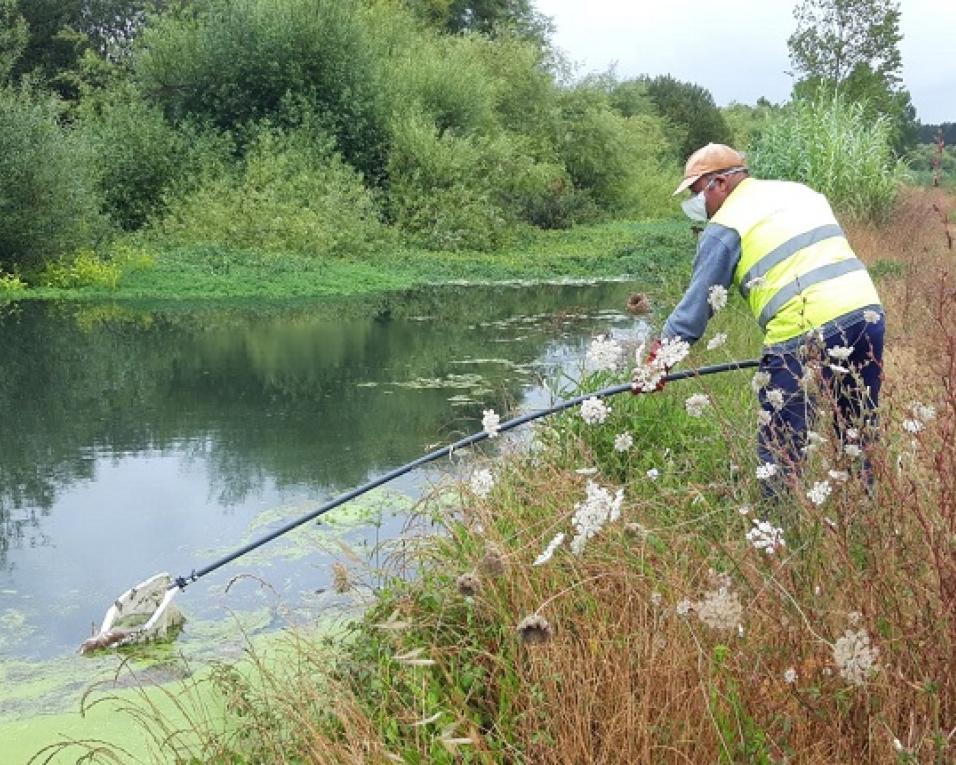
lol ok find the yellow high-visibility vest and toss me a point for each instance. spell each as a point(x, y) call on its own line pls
point(796, 268)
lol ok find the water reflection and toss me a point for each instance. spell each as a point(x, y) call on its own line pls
point(187, 415)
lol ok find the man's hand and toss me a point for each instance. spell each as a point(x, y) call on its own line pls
point(649, 374)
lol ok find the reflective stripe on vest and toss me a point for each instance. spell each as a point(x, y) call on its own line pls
point(785, 250)
point(792, 246)
point(798, 285)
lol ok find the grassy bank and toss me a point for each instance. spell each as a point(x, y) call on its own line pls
point(649, 251)
point(671, 637)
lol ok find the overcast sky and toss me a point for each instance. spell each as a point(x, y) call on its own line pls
point(737, 49)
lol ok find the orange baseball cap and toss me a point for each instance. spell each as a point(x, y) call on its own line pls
point(709, 159)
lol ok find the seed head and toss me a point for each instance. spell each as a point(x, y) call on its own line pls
point(493, 562)
point(468, 585)
point(535, 629)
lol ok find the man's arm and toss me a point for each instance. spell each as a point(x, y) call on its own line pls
point(717, 254)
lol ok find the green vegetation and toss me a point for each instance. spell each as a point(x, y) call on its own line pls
point(851, 48)
point(652, 252)
point(48, 205)
point(834, 147)
point(363, 133)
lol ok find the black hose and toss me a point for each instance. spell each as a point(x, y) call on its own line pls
point(183, 581)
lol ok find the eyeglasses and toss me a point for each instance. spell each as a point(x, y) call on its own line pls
point(714, 177)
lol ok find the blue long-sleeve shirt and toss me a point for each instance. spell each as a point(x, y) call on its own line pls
point(718, 251)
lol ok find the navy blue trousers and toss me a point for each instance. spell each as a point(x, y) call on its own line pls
point(852, 395)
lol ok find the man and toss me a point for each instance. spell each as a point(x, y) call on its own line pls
point(782, 247)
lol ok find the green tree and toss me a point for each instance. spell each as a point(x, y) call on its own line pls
point(71, 42)
point(691, 110)
point(239, 62)
point(13, 37)
point(484, 16)
point(48, 203)
point(851, 47)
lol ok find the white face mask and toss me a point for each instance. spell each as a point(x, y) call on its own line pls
point(695, 208)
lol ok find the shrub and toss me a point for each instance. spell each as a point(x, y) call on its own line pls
point(442, 188)
point(84, 269)
point(138, 156)
point(48, 202)
point(11, 283)
point(291, 193)
point(233, 64)
point(832, 146)
point(621, 162)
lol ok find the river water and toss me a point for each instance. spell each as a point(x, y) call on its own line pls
point(145, 438)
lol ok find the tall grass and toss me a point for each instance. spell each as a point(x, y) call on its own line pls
point(671, 638)
point(833, 146)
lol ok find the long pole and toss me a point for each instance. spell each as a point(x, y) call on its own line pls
point(183, 581)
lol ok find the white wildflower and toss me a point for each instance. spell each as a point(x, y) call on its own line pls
point(819, 493)
point(840, 352)
point(491, 422)
point(854, 618)
point(852, 434)
point(790, 676)
point(646, 377)
point(717, 297)
point(696, 404)
point(923, 412)
point(912, 426)
point(852, 451)
point(594, 411)
point(870, 316)
point(673, 350)
point(720, 609)
point(764, 417)
point(854, 657)
point(760, 380)
point(775, 398)
point(757, 281)
point(716, 341)
point(838, 369)
point(604, 355)
point(814, 441)
point(590, 516)
point(765, 471)
point(653, 474)
point(840, 476)
point(553, 545)
point(807, 378)
point(744, 509)
point(586, 471)
point(898, 745)
point(482, 482)
point(623, 442)
point(766, 537)
point(683, 608)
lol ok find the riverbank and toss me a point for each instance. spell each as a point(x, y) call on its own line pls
point(672, 637)
point(702, 624)
point(651, 250)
